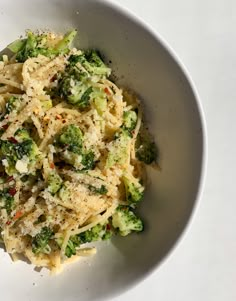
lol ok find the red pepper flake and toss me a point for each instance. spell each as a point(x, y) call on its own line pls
point(107, 91)
point(9, 179)
point(18, 215)
point(8, 223)
point(5, 126)
point(12, 140)
point(52, 165)
point(53, 78)
point(63, 121)
point(12, 191)
point(58, 117)
point(108, 227)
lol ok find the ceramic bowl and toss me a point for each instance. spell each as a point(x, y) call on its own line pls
point(142, 61)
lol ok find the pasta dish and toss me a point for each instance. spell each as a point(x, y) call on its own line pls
point(72, 152)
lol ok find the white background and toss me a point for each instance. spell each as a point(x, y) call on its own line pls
point(203, 266)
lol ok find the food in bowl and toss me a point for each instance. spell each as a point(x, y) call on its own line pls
point(73, 148)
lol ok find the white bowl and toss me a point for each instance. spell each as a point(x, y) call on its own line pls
point(142, 61)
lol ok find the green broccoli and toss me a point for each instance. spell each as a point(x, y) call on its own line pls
point(134, 191)
point(88, 160)
point(15, 148)
point(72, 151)
point(92, 62)
point(22, 134)
point(99, 99)
point(129, 121)
point(54, 182)
point(84, 100)
point(71, 138)
point(118, 152)
point(11, 104)
point(126, 221)
point(75, 84)
point(75, 89)
point(33, 46)
point(101, 190)
point(41, 240)
point(17, 45)
point(64, 193)
point(98, 232)
point(75, 58)
point(80, 95)
point(64, 45)
point(72, 245)
point(36, 44)
point(7, 199)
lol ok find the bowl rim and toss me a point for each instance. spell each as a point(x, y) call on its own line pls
point(123, 10)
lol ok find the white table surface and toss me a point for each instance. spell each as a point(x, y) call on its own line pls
point(203, 266)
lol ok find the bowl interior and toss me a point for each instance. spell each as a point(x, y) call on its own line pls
point(140, 62)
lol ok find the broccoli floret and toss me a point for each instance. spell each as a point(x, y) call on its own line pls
point(16, 148)
point(145, 148)
point(75, 90)
point(64, 45)
point(25, 148)
point(64, 192)
point(98, 232)
point(17, 45)
point(33, 46)
point(75, 58)
point(100, 190)
point(81, 161)
point(75, 85)
point(71, 138)
point(83, 102)
point(71, 142)
point(22, 134)
point(41, 240)
point(7, 199)
point(92, 62)
point(38, 44)
point(134, 191)
point(11, 104)
point(73, 244)
point(126, 221)
point(129, 121)
point(99, 99)
point(88, 160)
point(54, 182)
point(71, 158)
point(118, 152)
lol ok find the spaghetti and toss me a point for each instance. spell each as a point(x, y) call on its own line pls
point(69, 172)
